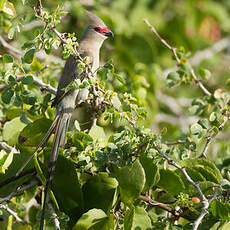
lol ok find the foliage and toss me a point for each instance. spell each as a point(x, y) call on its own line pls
point(113, 175)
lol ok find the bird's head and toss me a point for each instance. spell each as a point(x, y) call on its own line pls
point(97, 26)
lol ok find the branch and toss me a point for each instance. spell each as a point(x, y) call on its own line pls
point(199, 56)
point(8, 148)
point(17, 191)
point(36, 81)
point(12, 49)
point(40, 55)
point(205, 201)
point(54, 216)
point(131, 122)
point(211, 138)
point(13, 213)
point(158, 204)
point(173, 49)
point(60, 35)
point(178, 142)
point(39, 6)
point(16, 177)
point(204, 212)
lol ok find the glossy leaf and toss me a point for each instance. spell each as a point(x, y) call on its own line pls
point(12, 129)
point(7, 58)
point(151, 172)
point(137, 218)
point(89, 219)
point(170, 182)
point(131, 181)
point(29, 56)
point(99, 192)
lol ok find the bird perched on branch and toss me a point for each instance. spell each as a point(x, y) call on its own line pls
point(89, 46)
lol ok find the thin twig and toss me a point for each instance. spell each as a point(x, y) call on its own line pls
point(173, 49)
point(39, 7)
point(204, 212)
point(8, 148)
point(41, 55)
point(18, 191)
point(36, 81)
point(131, 122)
point(11, 48)
point(202, 55)
point(16, 177)
point(13, 213)
point(211, 138)
point(158, 204)
point(205, 201)
point(178, 142)
point(54, 216)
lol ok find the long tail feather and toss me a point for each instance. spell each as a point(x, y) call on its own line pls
point(59, 139)
point(42, 143)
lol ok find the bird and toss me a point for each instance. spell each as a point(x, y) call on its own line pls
point(88, 46)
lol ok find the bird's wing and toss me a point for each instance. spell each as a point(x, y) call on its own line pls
point(69, 74)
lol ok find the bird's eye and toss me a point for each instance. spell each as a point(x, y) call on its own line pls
point(97, 29)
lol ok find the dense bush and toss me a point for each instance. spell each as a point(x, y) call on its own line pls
point(149, 149)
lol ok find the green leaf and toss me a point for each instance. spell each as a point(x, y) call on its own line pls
point(108, 223)
point(131, 181)
point(27, 80)
point(196, 129)
point(137, 219)
point(11, 130)
point(204, 123)
point(28, 45)
point(11, 79)
point(81, 140)
point(172, 79)
point(29, 56)
point(11, 32)
point(67, 191)
point(29, 100)
point(170, 182)
point(99, 191)
point(152, 173)
point(206, 167)
point(207, 173)
point(89, 219)
point(18, 160)
point(195, 109)
point(195, 175)
point(204, 73)
point(116, 102)
point(8, 8)
point(7, 95)
point(24, 118)
point(220, 210)
point(211, 166)
point(98, 135)
point(220, 225)
point(225, 184)
point(5, 160)
point(33, 133)
point(119, 78)
point(7, 58)
point(213, 116)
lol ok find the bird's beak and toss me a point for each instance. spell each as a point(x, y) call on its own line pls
point(109, 34)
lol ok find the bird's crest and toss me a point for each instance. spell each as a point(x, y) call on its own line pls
point(94, 20)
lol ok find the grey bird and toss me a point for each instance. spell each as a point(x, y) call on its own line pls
point(89, 46)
